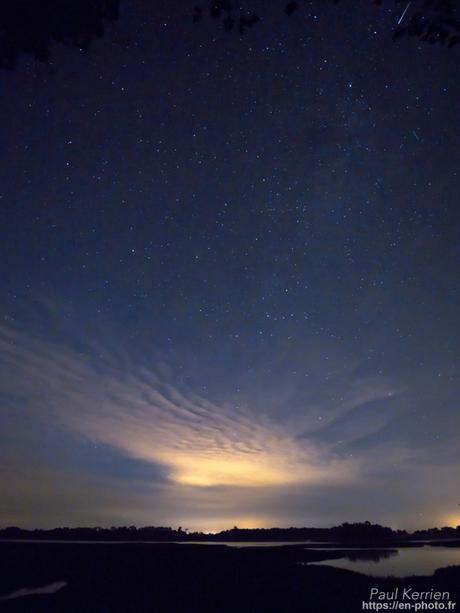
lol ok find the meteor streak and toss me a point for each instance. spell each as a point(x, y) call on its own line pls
point(404, 12)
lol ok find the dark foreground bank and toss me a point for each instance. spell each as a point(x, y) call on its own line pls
point(170, 578)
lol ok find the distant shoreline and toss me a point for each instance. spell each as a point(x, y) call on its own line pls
point(363, 533)
point(388, 544)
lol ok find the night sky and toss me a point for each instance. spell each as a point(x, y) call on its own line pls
point(229, 272)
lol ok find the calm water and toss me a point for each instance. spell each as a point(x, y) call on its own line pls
point(399, 563)
point(377, 562)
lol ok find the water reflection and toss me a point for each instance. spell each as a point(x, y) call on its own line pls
point(398, 563)
point(372, 555)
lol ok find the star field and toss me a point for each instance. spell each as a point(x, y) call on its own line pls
point(217, 248)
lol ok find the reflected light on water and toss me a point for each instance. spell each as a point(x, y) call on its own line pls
point(411, 561)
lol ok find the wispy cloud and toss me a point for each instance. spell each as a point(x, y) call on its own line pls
point(139, 410)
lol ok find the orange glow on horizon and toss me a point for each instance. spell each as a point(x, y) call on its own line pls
point(452, 520)
point(210, 526)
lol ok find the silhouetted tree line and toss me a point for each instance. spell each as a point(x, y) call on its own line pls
point(431, 21)
point(346, 532)
point(364, 531)
point(435, 533)
point(30, 27)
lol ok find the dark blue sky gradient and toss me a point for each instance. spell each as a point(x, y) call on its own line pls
point(267, 224)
